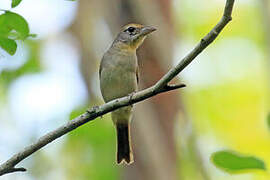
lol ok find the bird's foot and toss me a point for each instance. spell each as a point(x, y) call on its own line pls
point(130, 97)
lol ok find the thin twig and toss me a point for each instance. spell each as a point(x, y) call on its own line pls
point(160, 87)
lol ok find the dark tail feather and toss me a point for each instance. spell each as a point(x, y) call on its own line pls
point(124, 151)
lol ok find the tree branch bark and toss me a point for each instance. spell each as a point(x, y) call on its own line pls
point(160, 87)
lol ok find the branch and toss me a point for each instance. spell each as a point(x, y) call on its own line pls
point(160, 87)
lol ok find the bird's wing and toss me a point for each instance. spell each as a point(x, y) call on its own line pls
point(100, 66)
point(99, 72)
point(137, 74)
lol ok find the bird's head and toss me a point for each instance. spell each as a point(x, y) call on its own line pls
point(132, 35)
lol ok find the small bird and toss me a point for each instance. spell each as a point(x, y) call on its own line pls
point(118, 75)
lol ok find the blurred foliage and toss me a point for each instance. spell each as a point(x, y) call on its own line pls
point(41, 170)
point(32, 65)
point(229, 112)
point(236, 163)
point(90, 150)
point(232, 115)
point(195, 22)
point(268, 120)
point(190, 159)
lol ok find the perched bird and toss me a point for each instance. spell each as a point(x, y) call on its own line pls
point(118, 75)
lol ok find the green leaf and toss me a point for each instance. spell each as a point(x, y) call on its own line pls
point(32, 35)
point(12, 27)
point(9, 45)
point(15, 3)
point(268, 120)
point(235, 163)
point(11, 22)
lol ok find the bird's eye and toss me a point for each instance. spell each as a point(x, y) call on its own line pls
point(131, 29)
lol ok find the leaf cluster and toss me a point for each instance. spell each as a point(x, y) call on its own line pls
point(12, 27)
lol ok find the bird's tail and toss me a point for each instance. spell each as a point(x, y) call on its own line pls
point(124, 151)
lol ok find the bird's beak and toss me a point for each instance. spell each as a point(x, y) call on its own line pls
point(147, 30)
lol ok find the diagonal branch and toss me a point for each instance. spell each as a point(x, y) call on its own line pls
point(160, 87)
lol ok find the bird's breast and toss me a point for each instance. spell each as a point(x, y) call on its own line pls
point(118, 76)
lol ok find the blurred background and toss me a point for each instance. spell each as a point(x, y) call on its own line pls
point(54, 77)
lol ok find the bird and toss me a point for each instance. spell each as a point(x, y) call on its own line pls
point(119, 77)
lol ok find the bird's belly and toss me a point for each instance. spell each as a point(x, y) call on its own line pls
point(117, 83)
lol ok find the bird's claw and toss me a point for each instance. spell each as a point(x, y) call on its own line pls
point(130, 97)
